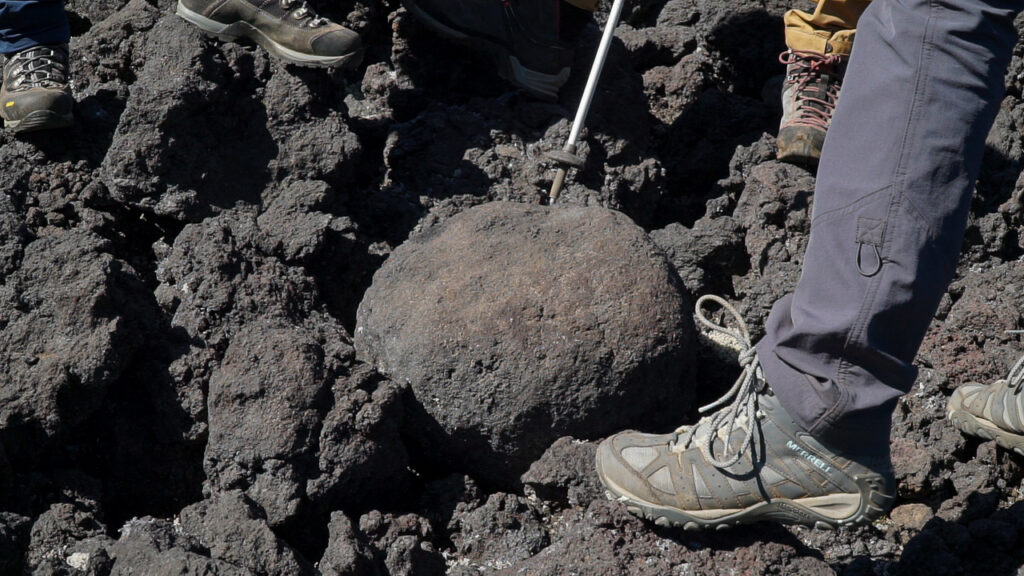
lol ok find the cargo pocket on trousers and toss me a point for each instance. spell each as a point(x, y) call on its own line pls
point(870, 233)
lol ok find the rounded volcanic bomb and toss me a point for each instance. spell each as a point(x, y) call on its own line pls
point(517, 324)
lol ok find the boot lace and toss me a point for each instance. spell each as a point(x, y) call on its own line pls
point(37, 67)
point(817, 85)
point(741, 398)
point(299, 10)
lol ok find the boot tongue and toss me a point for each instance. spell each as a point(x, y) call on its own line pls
point(815, 93)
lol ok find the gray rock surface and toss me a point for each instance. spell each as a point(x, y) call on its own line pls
point(565, 473)
point(234, 531)
point(346, 554)
point(88, 301)
point(153, 547)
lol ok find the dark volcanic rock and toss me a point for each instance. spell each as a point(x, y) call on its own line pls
point(504, 530)
point(605, 539)
point(706, 256)
point(14, 539)
point(404, 543)
point(260, 346)
point(972, 344)
point(774, 209)
point(93, 11)
point(151, 547)
point(566, 473)
point(165, 155)
point(234, 531)
point(444, 497)
point(362, 458)
point(215, 277)
point(87, 301)
point(265, 410)
point(517, 324)
point(346, 554)
point(56, 530)
point(164, 112)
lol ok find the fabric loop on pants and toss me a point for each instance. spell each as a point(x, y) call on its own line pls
point(860, 261)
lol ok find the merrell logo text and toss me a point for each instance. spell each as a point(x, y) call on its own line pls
point(817, 462)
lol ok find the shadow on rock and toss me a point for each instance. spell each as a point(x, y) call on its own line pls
point(982, 541)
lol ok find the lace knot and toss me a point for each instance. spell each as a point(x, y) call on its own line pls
point(747, 357)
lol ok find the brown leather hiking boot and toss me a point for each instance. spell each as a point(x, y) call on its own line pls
point(287, 29)
point(809, 96)
point(531, 42)
point(35, 93)
point(993, 411)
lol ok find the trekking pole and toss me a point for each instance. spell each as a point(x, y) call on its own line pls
point(567, 155)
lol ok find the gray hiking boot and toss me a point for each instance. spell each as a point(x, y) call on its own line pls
point(35, 93)
point(747, 462)
point(809, 96)
point(287, 29)
point(531, 42)
point(993, 411)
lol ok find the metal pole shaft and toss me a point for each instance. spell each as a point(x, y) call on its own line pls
point(588, 91)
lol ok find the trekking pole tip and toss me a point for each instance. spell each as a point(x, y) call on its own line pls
point(556, 186)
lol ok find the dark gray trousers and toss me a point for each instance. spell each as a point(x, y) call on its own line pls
point(922, 89)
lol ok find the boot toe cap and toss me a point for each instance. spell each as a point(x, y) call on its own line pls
point(620, 460)
point(338, 42)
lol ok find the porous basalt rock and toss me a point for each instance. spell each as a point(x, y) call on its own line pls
point(89, 302)
point(565, 473)
point(346, 554)
point(233, 531)
point(503, 531)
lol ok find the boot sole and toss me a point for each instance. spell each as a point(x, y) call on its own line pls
point(823, 512)
point(539, 84)
point(236, 30)
point(40, 120)
point(982, 428)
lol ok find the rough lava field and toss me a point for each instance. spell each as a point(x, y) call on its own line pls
point(258, 319)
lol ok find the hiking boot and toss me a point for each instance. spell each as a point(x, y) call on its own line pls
point(746, 462)
point(531, 42)
point(994, 411)
point(35, 92)
point(287, 29)
point(809, 96)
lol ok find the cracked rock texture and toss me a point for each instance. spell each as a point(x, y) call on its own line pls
point(187, 274)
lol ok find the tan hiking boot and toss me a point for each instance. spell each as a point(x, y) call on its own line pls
point(287, 29)
point(809, 96)
point(992, 411)
point(746, 462)
point(35, 93)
